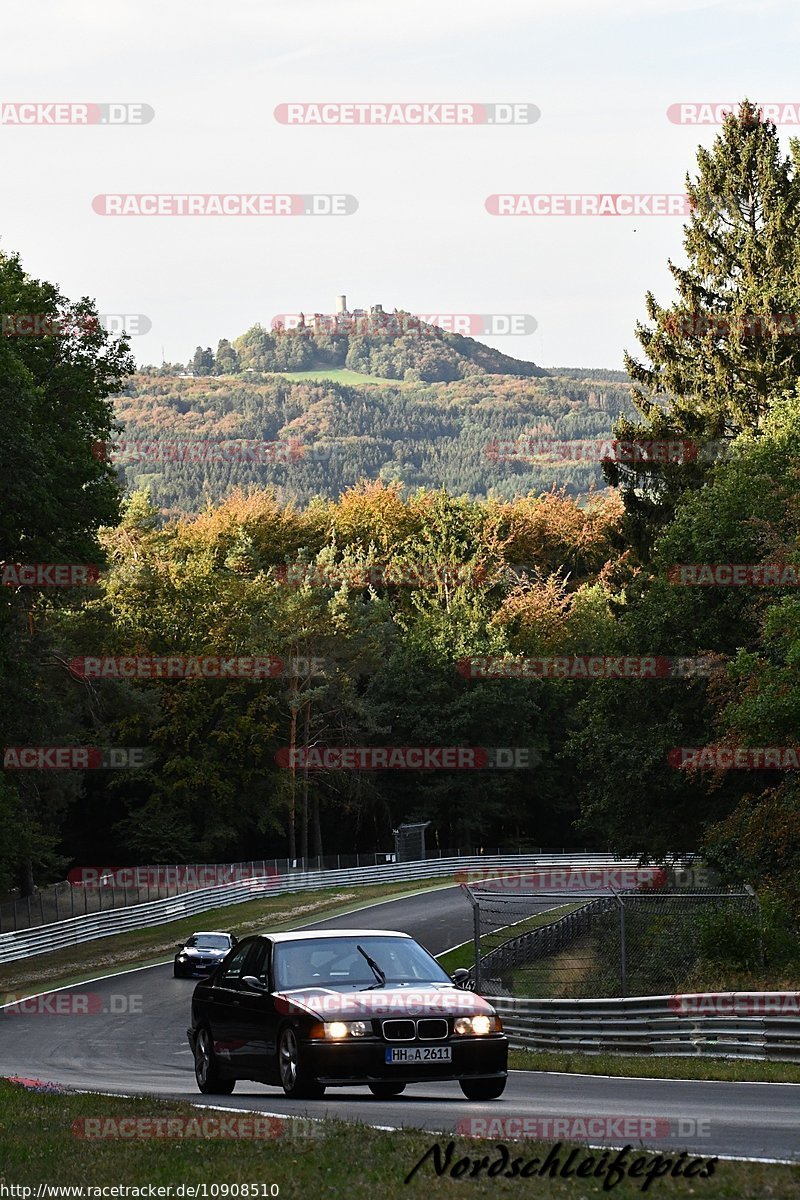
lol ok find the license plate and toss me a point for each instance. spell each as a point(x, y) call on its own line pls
point(418, 1054)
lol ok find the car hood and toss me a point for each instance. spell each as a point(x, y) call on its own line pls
point(201, 952)
point(426, 1000)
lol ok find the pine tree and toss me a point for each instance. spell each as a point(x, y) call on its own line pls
point(719, 355)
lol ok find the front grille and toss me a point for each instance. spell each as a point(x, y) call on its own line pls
point(399, 1031)
point(432, 1030)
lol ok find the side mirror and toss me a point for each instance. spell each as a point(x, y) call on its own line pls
point(460, 977)
point(254, 984)
point(234, 940)
point(180, 947)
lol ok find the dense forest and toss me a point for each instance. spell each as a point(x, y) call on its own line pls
point(193, 440)
point(396, 586)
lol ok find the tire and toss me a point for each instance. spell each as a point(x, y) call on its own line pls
point(176, 973)
point(206, 1067)
point(295, 1080)
point(483, 1089)
point(385, 1091)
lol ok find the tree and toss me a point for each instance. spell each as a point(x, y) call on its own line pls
point(227, 361)
point(55, 492)
point(715, 360)
point(632, 797)
point(203, 361)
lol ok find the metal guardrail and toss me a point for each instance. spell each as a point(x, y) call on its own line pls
point(60, 934)
point(755, 1025)
point(91, 890)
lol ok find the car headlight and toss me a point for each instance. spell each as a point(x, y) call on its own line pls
point(342, 1029)
point(477, 1025)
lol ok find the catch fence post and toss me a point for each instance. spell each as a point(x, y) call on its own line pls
point(748, 887)
point(622, 960)
point(476, 938)
point(622, 951)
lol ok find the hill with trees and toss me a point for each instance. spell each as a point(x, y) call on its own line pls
point(394, 345)
point(194, 440)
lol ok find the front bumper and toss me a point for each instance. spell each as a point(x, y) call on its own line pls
point(354, 1061)
point(190, 968)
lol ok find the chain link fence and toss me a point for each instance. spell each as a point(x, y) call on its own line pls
point(632, 942)
point(94, 891)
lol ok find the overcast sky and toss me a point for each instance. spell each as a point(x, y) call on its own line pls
point(603, 77)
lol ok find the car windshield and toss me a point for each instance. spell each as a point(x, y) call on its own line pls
point(338, 963)
point(209, 941)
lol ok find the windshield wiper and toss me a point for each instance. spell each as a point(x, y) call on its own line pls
point(376, 971)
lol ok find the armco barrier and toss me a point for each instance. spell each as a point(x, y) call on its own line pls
point(757, 1025)
point(29, 942)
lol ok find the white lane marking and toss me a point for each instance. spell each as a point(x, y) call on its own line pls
point(440, 887)
point(82, 983)
point(659, 1079)
point(781, 1162)
point(469, 941)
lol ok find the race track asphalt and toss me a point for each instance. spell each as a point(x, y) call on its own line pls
point(132, 1039)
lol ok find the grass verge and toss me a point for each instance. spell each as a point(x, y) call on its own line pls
point(143, 947)
point(38, 1145)
point(648, 1067)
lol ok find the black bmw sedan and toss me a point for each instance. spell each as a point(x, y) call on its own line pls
point(200, 953)
point(306, 1011)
